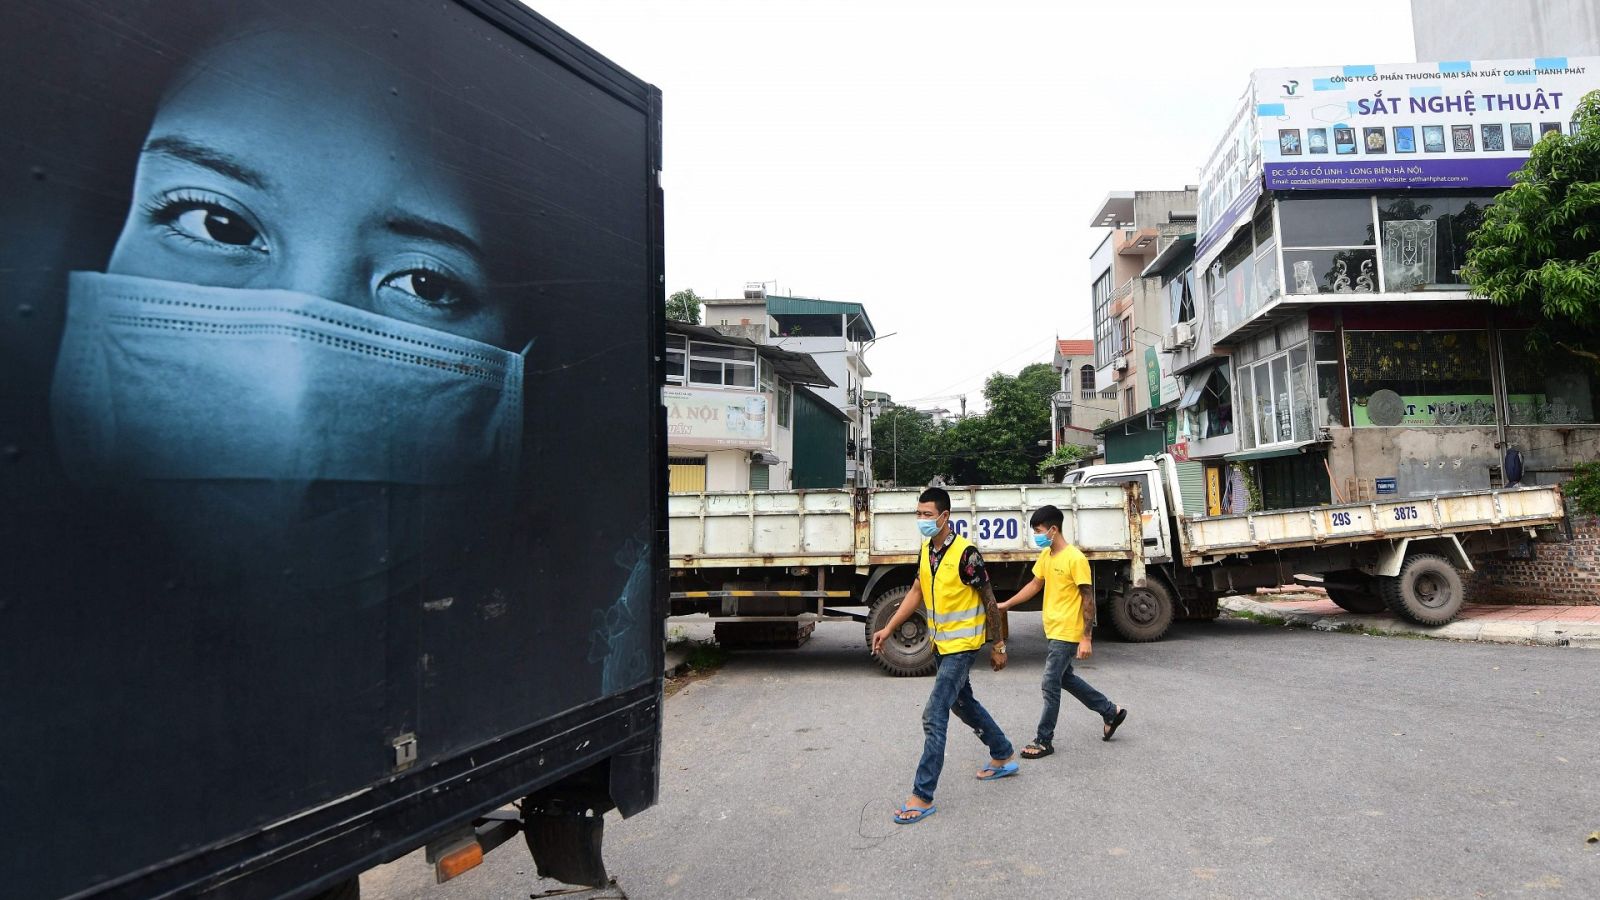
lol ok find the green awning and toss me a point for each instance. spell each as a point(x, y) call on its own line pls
point(1269, 452)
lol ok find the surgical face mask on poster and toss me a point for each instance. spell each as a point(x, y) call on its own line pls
point(162, 380)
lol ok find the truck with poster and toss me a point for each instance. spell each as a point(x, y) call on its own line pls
point(300, 384)
point(789, 559)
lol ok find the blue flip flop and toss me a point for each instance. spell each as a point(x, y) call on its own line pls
point(900, 818)
point(1008, 769)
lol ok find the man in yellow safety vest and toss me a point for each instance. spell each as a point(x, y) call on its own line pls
point(951, 579)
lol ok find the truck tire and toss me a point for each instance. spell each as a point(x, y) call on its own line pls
point(1355, 592)
point(1356, 600)
point(1142, 614)
point(909, 651)
point(1428, 590)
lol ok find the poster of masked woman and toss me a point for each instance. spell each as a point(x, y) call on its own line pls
point(328, 375)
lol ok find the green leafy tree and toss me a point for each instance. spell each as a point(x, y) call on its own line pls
point(1062, 458)
point(1016, 423)
point(1002, 446)
point(1583, 489)
point(906, 447)
point(684, 306)
point(1538, 249)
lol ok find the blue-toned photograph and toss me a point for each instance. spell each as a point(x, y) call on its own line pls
point(1494, 140)
point(1344, 141)
point(325, 309)
point(1405, 139)
point(1316, 140)
point(1433, 139)
point(1289, 141)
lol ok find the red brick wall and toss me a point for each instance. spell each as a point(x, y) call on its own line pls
point(1566, 572)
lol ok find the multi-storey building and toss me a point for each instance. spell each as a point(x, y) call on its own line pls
point(835, 334)
point(1133, 365)
point(1329, 347)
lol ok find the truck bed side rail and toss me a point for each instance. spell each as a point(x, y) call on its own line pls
point(1349, 523)
point(826, 527)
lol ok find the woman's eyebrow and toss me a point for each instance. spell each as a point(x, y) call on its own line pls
point(413, 226)
point(192, 151)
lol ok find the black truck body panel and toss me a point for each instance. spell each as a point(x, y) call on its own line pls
point(332, 492)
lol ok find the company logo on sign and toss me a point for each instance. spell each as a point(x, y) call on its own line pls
point(1290, 87)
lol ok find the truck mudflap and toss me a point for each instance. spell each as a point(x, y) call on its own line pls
point(564, 835)
point(565, 824)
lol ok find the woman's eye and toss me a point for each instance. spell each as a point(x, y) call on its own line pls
point(218, 225)
point(432, 288)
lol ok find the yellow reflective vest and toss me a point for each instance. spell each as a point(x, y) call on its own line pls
point(955, 609)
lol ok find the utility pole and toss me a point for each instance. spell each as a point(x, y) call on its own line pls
point(894, 429)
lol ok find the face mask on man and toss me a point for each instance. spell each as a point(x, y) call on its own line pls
point(162, 380)
point(928, 527)
point(1041, 540)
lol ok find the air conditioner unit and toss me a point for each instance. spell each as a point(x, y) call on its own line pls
point(1183, 334)
point(1120, 363)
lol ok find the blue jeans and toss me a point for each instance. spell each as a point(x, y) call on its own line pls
point(952, 693)
point(1058, 674)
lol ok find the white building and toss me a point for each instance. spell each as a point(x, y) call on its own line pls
point(730, 410)
point(835, 334)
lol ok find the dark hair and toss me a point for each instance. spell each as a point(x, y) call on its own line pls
point(939, 497)
point(1047, 516)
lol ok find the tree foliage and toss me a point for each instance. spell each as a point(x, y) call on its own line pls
point(1062, 458)
point(1538, 249)
point(684, 306)
point(1001, 446)
point(905, 446)
point(1584, 488)
point(1004, 441)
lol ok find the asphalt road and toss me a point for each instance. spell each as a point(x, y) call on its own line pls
point(1257, 761)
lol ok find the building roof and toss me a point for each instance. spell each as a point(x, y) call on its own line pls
point(1116, 211)
point(805, 306)
point(823, 404)
point(799, 368)
point(1075, 348)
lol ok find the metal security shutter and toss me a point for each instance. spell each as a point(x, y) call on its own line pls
point(760, 478)
point(686, 475)
point(1192, 487)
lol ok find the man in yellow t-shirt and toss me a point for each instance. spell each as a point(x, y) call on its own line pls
point(1062, 572)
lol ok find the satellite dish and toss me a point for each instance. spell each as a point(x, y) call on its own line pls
point(1385, 408)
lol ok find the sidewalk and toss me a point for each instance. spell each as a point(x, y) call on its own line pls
point(1562, 626)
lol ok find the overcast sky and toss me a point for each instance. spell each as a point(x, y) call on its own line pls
point(939, 162)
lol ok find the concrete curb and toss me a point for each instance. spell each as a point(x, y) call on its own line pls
point(1549, 634)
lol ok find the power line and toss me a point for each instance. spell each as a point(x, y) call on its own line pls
point(990, 370)
point(984, 373)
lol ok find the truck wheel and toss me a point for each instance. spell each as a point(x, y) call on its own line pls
point(1428, 591)
point(1355, 592)
point(908, 651)
point(1142, 613)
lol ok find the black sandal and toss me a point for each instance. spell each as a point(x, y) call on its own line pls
point(1037, 750)
point(1111, 726)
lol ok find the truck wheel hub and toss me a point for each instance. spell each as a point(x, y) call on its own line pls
point(1142, 608)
